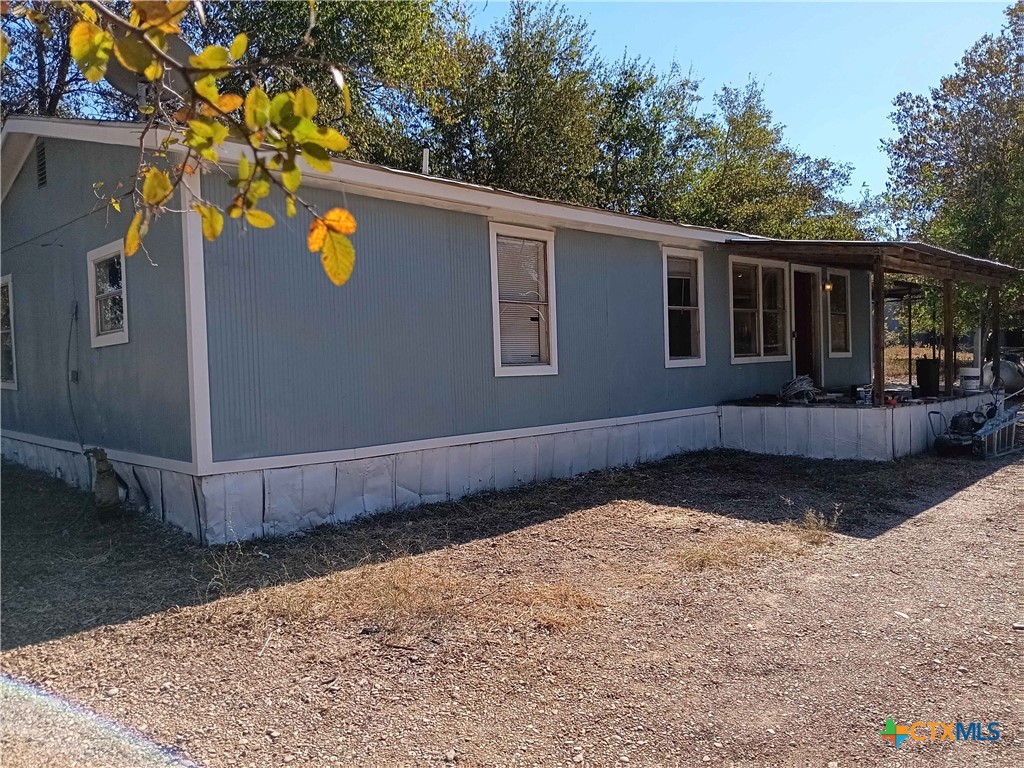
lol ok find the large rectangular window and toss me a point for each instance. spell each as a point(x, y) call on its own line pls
point(760, 311)
point(108, 308)
point(684, 314)
point(839, 314)
point(522, 277)
point(8, 365)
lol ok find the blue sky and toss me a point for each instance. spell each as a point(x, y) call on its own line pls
point(830, 70)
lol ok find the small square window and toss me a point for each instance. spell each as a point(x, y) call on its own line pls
point(108, 311)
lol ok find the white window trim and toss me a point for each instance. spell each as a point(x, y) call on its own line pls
point(548, 238)
point(13, 384)
point(115, 248)
point(698, 256)
point(849, 314)
point(787, 281)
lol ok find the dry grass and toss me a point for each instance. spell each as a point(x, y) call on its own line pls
point(65, 572)
point(896, 365)
point(740, 549)
point(605, 616)
point(816, 527)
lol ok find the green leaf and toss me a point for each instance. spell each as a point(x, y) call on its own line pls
point(244, 167)
point(305, 103)
point(156, 187)
point(239, 46)
point(257, 109)
point(338, 258)
point(317, 157)
point(90, 47)
point(281, 108)
point(259, 219)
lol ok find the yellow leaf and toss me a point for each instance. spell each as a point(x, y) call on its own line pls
point(259, 219)
point(213, 57)
point(239, 46)
point(134, 54)
point(341, 221)
point(317, 157)
point(132, 240)
point(290, 205)
point(115, 204)
point(3, 47)
point(207, 88)
point(291, 177)
point(305, 103)
point(338, 258)
point(317, 235)
point(229, 102)
point(159, 14)
point(157, 187)
point(213, 221)
point(328, 138)
point(346, 95)
point(90, 47)
point(257, 109)
point(87, 11)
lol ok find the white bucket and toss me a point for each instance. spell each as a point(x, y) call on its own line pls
point(970, 379)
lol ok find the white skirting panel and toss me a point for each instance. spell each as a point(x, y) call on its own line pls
point(821, 432)
point(218, 509)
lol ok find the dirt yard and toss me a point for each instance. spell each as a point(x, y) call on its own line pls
point(700, 611)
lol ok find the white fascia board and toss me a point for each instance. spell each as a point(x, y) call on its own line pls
point(375, 181)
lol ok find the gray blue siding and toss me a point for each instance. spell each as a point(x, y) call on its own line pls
point(404, 351)
point(131, 397)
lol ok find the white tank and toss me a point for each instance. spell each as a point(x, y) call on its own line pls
point(1010, 372)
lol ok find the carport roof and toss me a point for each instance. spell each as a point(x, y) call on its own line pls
point(903, 257)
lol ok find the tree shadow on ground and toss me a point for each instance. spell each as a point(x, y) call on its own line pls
point(64, 571)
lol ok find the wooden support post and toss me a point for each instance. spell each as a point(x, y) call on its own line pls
point(993, 297)
point(910, 340)
point(948, 341)
point(878, 331)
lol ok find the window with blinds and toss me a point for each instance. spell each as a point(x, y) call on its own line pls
point(683, 289)
point(524, 308)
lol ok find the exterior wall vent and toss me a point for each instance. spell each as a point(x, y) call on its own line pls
point(40, 163)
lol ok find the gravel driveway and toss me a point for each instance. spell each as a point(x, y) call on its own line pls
point(686, 613)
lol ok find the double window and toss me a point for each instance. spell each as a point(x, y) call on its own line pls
point(523, 301)
point(8, 366)
point(760, 311)
point(839, 314)
point(108, 307)
point(684, 308)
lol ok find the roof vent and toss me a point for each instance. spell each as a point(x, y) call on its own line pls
point(40, 163)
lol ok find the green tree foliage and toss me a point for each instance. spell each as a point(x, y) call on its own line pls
point(649, 138)
point(391, 52)
point(957, 162)
point(749, 179)
point(521, 112)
